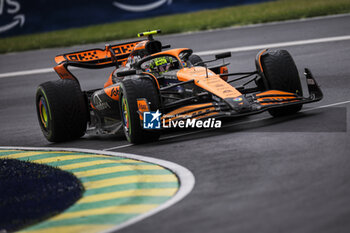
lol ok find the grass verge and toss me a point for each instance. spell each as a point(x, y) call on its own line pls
point(202, 20)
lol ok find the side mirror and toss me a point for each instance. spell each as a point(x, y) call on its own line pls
point(223, 55)
point(126, 73)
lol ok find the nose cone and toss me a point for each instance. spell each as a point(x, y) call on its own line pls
point(241, 104)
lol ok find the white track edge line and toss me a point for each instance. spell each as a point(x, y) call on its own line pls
point(117, 147)
point(185, 176)
point(276, 45)
point(208, 52)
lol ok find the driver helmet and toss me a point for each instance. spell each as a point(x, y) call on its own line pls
point(161, 65)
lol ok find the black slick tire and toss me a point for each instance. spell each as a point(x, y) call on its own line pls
point(131, 90)
point(280, 73)
point(62, 110)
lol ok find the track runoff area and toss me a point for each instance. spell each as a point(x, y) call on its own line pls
point(120, 189)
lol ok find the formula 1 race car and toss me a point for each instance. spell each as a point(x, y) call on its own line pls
point(151, 78)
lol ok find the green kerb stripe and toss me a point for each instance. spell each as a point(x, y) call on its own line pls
point(46, 156)
point(124, 174)
point(124, 187)
point(120, 201)
point(3, 153)
point(74, 161)
point(105, 165)
point(93, 219)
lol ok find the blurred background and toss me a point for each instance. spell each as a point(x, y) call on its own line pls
point(28, 25)
point(23, 17)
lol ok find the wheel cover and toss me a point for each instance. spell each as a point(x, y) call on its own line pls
point(43, 112)
point(125, 114)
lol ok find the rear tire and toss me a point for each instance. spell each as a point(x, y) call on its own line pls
point(280, 73)
point(130, 91)
point(62, 110)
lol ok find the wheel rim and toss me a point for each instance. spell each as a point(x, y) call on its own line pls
point(43, 112)
point(125, 114)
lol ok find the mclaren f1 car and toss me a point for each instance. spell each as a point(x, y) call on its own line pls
point(151, 77)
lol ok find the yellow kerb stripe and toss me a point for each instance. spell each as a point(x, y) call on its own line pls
point(122, 209)
point(64, 158)
point(107, 170)
point(73, 229)
point(130, 179)
point(92, 163)
point(129, 193)
point(32, 153)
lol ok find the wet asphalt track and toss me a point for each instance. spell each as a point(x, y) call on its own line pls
point(256, 174)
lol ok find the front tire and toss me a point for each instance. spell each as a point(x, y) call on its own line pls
point(62, 110)
point(280, 73)
point(131, 90)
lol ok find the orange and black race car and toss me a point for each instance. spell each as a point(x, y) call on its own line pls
point(151, 77)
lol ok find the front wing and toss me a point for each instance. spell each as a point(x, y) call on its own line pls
point(244, 106)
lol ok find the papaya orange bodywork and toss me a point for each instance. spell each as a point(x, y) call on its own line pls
point(281, 97)
point(261, 53)
point(192, 115)
point(141, 45)
point(112, 92)
point(213, 83)
point(109, 81)
point(142, 107)
point(224, 70)
point(62, 71)
point(173, 52)
point(275, 92)
point(186, 110)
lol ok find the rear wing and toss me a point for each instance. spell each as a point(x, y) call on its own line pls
point(112, 55)
point(98, 58)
